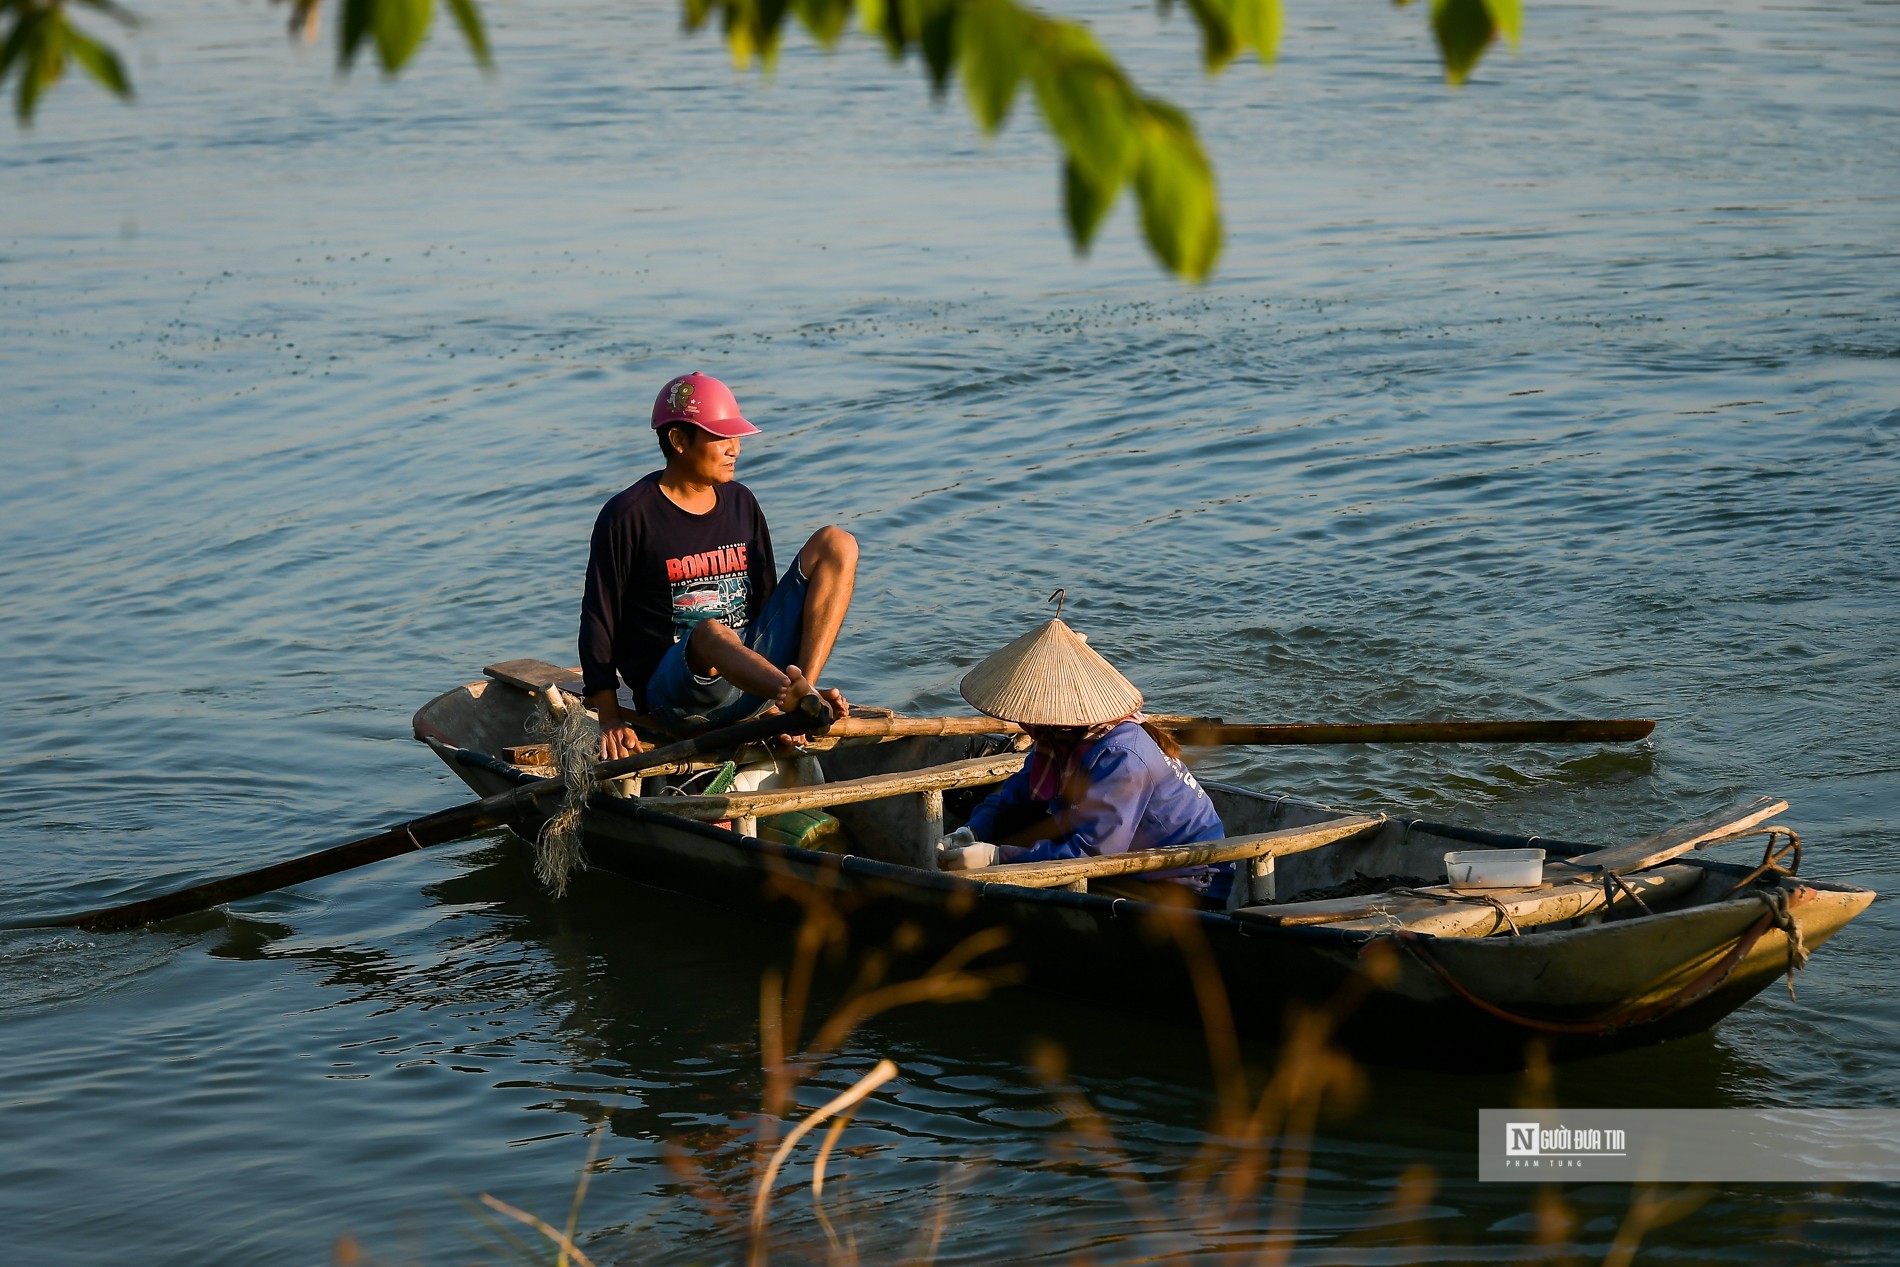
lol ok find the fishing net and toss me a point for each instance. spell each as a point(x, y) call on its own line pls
point(574, 739)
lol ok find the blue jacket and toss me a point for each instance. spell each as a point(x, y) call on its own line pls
point(1126, 795)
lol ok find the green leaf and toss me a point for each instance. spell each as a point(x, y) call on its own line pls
point(825, 19)
point(25, 27)
point(1257, 26)
point(885, 19)
point(469, 18)
point(1231, 27)
point(766, 19)
point(751, 27)
point(1218, 41)
point(1463, 28)
point(1086, 101)
point(1180, 211)
point(400, 26)
point(1509, 17)
point(990, 39)
point(100, 62)
point(352, 30)
point(44, 54)
point(937, 34)
point(1087, 205)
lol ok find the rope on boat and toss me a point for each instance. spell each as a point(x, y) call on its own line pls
point(1480, 899)
point(1771, 855)
point(1778, 916)
point(1777, 899)
point(575, 742)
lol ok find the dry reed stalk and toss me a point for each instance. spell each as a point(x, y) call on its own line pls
point(940, 1215)
point(546, 1229)
point(580, 1189)
point(787, 1060)
point(704, 1190)
point(880, 1073)
point(1555, 1226)
point(838, 1248)
point(1091, 1129)
point(1258, 1147)
point(1650, 1209)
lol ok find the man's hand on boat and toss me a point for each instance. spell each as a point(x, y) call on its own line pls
point(962, 851)
point(617, 739)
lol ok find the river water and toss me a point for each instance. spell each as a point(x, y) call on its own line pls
point(1573, 393)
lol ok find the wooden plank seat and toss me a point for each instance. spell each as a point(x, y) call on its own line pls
point(1572, 886)
point(1444, 911)
point(535, 676)
point(1675, 841)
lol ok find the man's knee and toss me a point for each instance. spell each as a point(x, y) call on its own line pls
point(832, 544)
point(701, 642)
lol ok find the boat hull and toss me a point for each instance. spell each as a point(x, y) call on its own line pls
point(1463, 1002)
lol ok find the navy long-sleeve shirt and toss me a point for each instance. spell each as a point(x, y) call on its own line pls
point(1127, 795)
point(655, 570)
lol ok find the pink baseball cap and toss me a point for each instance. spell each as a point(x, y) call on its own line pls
point(703, 401)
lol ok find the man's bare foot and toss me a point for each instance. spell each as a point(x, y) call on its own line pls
point(797, 687)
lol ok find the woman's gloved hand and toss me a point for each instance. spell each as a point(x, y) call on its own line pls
point(966, 857)
point(957, 839)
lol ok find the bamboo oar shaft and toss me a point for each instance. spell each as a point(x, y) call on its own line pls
point(457, 823)
point(899, 727)
point(1612, 731)
point(1195, 732)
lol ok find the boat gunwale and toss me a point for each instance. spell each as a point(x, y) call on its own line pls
point(860, 866)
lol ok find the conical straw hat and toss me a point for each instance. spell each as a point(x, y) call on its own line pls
point(1050, 677)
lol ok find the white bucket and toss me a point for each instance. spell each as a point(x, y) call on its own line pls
point(1495, 868)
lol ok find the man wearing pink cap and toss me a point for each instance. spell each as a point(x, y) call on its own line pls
point(684, 602)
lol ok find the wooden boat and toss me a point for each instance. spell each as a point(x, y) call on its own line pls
point(1616, 947)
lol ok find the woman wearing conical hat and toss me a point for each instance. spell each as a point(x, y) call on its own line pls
point(1100, 780)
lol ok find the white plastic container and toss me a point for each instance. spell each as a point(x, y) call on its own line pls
point(798, 770)
point(1494, 868)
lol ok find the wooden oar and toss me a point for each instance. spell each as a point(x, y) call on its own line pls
point(1614, 731)
point(438, 828)
point(1198, 732)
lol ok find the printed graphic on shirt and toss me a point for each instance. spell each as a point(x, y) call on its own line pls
point(712, 583)
point(1186, 775)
